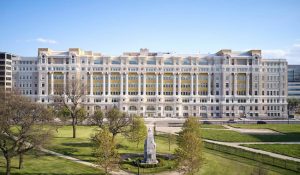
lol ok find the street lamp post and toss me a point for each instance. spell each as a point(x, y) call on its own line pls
point(138, 164)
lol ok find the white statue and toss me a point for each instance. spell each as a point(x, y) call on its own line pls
point(150, 149)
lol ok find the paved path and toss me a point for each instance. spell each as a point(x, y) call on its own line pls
point(173, 130)
point(265, 143)
point(120, 172)
point(237, 145)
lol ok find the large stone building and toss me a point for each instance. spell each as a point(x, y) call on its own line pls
point(225, 84)
point(294, 81)
point(6, 70)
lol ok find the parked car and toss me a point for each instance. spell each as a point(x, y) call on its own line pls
point(231, 121)
point(261, 122)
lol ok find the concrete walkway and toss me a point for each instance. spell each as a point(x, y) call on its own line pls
point(120, 172)
point(265, 143)
point(174, 130)
point(237, 145)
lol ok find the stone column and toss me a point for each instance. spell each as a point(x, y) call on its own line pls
point(52, 83)
point(144, 83)
point(65, 81)
point(197, 85)
point(139, 84)
point(104, 85)
point(179, 84)
point(223, 84)
point(174, 84)
point(162, 84)
point(126, 85)
point(192, 84)
point(121, 83)
point(209, 84)
point(46, 84)
point(91, 84)
point(108, 83)
point(156, 83)
point(247, 84)
point(235, 84)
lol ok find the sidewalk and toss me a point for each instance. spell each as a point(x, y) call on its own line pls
point(237, 145)
point(120, 172)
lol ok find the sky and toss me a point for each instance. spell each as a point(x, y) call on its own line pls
point(179, 26)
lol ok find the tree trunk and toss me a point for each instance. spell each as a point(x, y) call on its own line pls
point(113, 137)
point(169, 142)
point(74, 131)
point(21, 161)
point(8, 161)
point(74, 127)
point(106, 170)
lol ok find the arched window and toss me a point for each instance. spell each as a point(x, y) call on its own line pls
point(203, 108)
point(150, 108)
point(242, 108)
point(132, 108)
point(168, 108)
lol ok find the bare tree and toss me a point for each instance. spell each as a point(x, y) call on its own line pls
point(24, 125)
point(117, 122)
point(70, 100)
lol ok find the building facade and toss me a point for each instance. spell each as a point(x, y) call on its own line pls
point(222, 85)
point(294, 81)
point(6, 70)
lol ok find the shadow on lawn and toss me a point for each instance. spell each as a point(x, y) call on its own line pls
point(120, 146)
point(54, 173)
point(78, 144)
point(65, 151)
point(285, 137)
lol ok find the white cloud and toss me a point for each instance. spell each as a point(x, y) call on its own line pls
point(47, 41)
point(292, 54)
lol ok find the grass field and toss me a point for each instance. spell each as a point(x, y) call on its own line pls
point(292, 150)
point(165, 165)
point(290, 133)
point(214, 163)
point(212, 126)
point(284, 128)
point(81, 148)
point(42, 164)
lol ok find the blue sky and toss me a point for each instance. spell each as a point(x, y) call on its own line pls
point(181, 26)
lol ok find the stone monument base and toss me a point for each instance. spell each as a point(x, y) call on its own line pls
point(150, 163)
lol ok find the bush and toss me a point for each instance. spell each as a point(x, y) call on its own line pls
point(144, 165)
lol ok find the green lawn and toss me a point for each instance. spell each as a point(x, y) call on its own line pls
point(290, 133)
point(81, 148)
point(212, 126)
point(43, 164)
point(227, 164)
point(292, 150)
point(165, 165)
point(284, 128)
